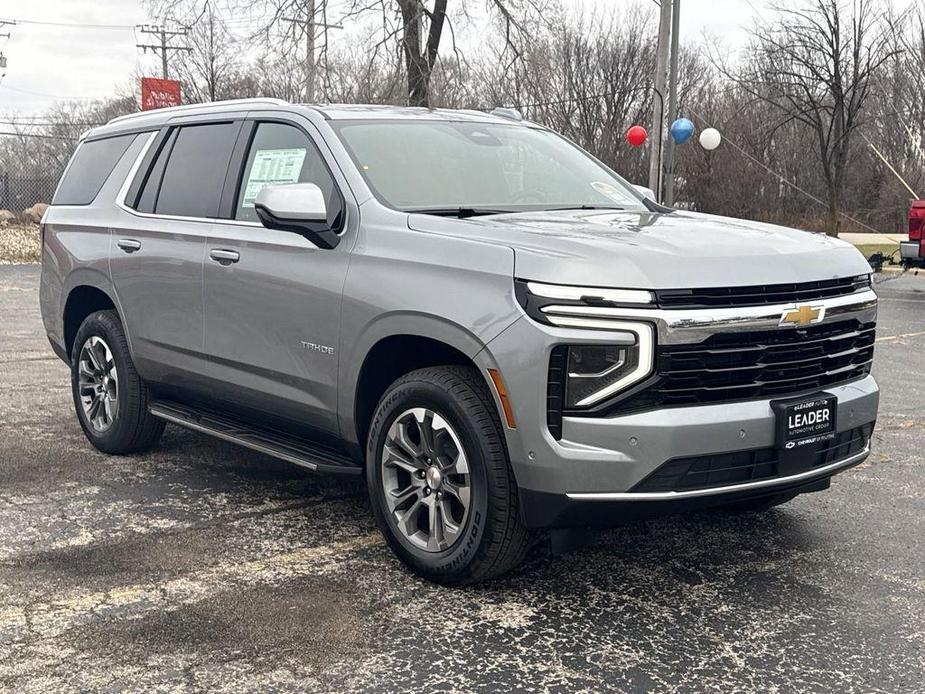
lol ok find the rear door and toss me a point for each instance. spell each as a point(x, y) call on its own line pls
point(273, 298)
point(157, 248)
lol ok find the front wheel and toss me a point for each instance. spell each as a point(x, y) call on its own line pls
point(439, 479)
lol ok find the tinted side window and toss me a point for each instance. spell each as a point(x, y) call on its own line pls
point(90, 167)
point(152, 183)
point(196, 169)
point(281, 154)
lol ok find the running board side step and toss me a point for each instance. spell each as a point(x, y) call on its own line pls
point(293, 450)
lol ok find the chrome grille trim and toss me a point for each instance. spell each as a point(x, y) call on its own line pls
point(695, 325)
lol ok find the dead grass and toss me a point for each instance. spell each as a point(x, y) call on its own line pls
point(887, 249)
point(20, 244)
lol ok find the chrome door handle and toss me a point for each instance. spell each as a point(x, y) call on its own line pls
point(129, 245)
point(224, 257)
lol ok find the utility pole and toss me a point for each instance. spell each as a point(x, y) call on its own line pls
point(163, 33)
point(4, 23)
point(672, 99)
point(309, 25)
point(310, 52)
point(658, 99)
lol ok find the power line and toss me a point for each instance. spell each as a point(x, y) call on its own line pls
point(781, 177)
point(6, 36)
point(72, 25)
point(164, 34)
point(739, 149)
point(576, 99)
point(744, 153)
point(39, 137)
point(48, 124)
point(51, 96)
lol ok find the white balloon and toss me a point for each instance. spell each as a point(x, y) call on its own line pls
point(710, 139)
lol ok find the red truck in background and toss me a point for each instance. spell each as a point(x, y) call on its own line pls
point(912, 252)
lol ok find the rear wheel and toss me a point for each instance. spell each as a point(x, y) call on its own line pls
point(441, 486)
point(110, 397)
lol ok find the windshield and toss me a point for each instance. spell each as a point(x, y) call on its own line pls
point(478, 168)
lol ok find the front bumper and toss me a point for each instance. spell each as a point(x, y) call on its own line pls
point(544, 510)
point(600, 459)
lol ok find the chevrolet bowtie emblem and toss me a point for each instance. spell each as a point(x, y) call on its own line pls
point(802, 315)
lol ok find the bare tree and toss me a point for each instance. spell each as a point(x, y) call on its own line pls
point(206, 69)
point(797, 115)
point(420, 53)
point(420, 27)
point(36, 148)
point(816, 65)
point(415, 28)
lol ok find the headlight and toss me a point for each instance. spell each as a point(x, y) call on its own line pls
point(594, 372)
point(593, 295)
point(542, 302)
point(582, 376)
point(591, 369)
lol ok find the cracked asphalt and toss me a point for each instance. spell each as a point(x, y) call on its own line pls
point(203, 566)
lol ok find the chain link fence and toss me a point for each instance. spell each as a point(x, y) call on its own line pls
point(18, 193)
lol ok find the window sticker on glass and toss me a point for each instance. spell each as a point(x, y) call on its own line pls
point(272, 166)
point(609, 191)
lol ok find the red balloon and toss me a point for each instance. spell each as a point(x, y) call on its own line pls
point(636, 135)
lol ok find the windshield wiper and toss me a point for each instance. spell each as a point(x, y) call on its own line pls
point(583, 207)
point(461, 212)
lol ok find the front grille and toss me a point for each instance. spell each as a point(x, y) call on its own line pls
point(761, 364)
point(761, 295)
point(705, 471)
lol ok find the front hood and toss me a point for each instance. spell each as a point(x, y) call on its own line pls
point(647, 250)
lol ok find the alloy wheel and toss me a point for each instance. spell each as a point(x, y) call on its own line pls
point(98, 383)
point(425, 479)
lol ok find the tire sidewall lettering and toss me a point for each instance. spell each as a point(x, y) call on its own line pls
point(469, 543)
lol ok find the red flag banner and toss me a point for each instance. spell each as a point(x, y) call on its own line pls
point(158, 93)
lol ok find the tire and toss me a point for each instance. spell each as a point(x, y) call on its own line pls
point(765, 503)
point(120, 423)
point(490, 537)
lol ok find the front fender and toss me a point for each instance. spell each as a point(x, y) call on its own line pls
point(393, 324)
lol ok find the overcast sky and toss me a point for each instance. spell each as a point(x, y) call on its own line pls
point(48, 63)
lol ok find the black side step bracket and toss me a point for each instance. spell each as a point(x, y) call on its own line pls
point(277, 444)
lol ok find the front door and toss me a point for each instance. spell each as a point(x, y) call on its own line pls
point(272, 298)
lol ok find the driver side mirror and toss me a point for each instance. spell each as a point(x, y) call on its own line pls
point(299, 208)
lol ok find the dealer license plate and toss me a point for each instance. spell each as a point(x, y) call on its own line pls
point(806, 421)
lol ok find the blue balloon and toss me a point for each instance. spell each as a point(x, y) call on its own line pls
point(681, 130)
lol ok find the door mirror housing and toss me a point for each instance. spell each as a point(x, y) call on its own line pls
point(299, 208)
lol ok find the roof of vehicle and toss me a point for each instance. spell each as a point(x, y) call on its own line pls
point(373, 111)
point(157, 118)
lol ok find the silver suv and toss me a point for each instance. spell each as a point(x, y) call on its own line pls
point(496, 329)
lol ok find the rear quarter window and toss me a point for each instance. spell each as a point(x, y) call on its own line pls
point(90, 166)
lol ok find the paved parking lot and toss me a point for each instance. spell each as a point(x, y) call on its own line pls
point(205, 566)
